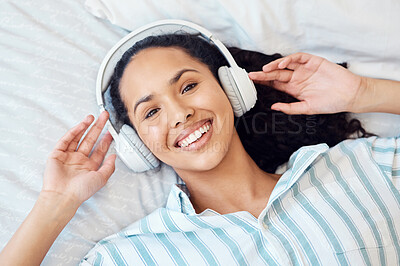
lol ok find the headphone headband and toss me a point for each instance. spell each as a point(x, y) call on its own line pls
point(161, 27)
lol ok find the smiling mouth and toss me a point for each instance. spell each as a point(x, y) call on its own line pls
point(197, 138)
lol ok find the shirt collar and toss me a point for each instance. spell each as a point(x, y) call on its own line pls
point(299, 161)
point(178, 200)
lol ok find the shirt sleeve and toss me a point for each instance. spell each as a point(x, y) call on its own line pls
point(386, 153)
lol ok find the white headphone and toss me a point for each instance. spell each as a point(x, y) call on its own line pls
point(234, 80)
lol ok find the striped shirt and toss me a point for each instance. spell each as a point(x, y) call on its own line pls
point(333, 206)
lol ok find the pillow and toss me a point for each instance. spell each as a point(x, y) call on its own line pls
point(363, 34)
point(131, 15)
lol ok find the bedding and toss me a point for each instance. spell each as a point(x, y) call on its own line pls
point(50, 52)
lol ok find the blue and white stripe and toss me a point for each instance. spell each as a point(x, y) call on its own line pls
point(337, 206)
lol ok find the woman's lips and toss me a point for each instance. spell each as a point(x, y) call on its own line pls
point(201, 141)
point(189, 130)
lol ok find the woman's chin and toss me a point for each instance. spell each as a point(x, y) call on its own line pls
point(199, 164)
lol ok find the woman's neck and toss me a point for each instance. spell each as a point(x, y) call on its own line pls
point(235, 184)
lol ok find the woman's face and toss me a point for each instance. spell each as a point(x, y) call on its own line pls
point(178, 108)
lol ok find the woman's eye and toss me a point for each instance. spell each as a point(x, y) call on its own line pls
point(151, 113)
point(189, 87)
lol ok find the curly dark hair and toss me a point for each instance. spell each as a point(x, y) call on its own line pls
point(269, 136)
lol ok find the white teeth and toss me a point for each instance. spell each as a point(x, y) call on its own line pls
point(185, 143)
point(195, 136)
point(192, 137)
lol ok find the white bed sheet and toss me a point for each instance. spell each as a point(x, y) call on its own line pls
point(50, 52)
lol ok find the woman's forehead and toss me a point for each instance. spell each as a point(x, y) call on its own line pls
point(158, 64)
point(154, 67)
point(162, 56)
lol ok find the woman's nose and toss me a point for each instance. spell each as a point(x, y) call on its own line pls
point(180, 114)
point(184, 120)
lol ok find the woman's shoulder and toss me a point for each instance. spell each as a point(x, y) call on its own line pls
point(371, 144)
point(373, 149)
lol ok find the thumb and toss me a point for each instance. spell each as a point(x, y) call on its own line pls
point(292, 108)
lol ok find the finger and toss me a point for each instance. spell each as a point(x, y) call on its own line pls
point(292, 108)
point(108, 167)
point(74, 143)
point(292, 61)
point(101, 149)
point(91, 137)
point(65, 141)
point(300, 58)
point(286, 61)
point(275, 75)
point(272, 65)
point(289, 65)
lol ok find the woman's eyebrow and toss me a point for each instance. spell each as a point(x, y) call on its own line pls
point(142, 100)
point(178, 75)
point(172, 81)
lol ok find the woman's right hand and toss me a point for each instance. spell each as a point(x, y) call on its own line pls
point(71, 176)
point(320, 85)
point(70, 169)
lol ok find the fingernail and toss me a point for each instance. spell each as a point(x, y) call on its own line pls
point(275, 108)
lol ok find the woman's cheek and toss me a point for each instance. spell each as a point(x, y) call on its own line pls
point(214, 98)
point(153, 137)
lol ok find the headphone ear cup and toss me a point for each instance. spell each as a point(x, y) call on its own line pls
point(134, 152)
point(231, 89)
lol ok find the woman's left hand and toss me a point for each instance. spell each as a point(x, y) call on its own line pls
point(320, 85)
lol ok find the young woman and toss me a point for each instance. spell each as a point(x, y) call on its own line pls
point(332, 206)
